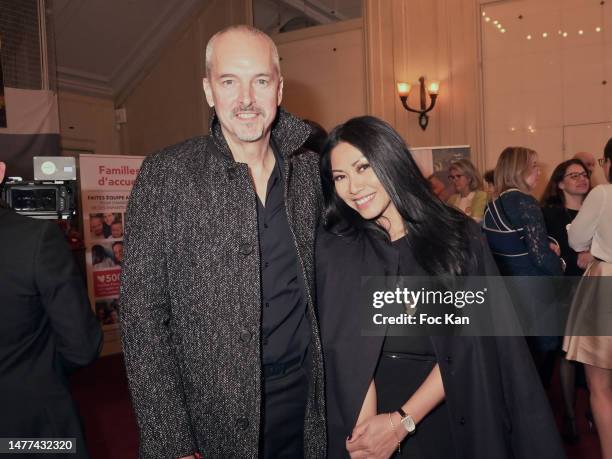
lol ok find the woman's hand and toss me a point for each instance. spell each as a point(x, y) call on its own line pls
point(584, 258)
point(375, 438)
point(555, 248)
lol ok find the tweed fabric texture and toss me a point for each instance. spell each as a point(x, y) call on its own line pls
point(191, 296)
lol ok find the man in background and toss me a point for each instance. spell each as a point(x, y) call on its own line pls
point(591, 164)
point(47, 329)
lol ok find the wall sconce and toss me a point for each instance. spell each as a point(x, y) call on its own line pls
point(433, 88)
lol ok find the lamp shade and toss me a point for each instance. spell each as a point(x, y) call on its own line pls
point(433, 87)
point(403, 89)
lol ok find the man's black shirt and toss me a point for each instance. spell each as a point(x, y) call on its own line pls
point(285, 329)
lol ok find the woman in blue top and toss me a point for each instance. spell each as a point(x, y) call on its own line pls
point(516, 232)
point(521, 246)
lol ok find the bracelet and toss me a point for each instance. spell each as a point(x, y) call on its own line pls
point(399, 448)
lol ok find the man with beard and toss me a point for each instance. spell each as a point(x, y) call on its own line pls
point(220, 336)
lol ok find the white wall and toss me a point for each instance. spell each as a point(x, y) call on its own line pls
point(168, 105)
point(88, 123)
point(324, 72)
point(438, 39)
point(544, 77)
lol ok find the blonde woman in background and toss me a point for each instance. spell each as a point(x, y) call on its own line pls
point(514, 223)
point(516, 231)
point(469, 197)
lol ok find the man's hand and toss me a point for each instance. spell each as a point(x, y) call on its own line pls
point(375, 439)
point(584, 259)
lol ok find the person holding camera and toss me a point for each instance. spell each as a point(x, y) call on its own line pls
point(47, 329)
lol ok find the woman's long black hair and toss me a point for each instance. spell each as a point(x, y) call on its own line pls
point(438, 235)
point(553, 196)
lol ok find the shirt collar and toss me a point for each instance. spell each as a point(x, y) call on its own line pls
point(289, 134)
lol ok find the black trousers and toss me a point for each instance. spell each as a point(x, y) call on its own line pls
point(283, 415)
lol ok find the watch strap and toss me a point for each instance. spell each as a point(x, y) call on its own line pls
point(401, 412)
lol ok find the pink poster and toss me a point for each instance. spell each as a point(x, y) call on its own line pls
point(106, 183)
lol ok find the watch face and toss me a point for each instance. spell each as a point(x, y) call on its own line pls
point(408, 424)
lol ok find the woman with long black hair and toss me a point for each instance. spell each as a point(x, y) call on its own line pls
point(567, 187)
point(465, 397)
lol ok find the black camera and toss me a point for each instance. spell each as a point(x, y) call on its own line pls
point(41, 199)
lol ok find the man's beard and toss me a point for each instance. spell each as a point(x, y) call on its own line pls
point(253, 136)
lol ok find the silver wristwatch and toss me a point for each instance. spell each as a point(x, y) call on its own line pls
point(407, 421)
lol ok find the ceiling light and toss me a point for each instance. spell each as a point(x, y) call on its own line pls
point(597, 29)
point(580, 32)
point(545, 34)
point(564, 34)
point(528, 37)
point(487, 19)
point(503, 30)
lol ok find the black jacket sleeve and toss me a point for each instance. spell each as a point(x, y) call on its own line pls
point(64, 298)
point(533, 431)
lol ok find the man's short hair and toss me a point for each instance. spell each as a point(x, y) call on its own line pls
point(241, 28)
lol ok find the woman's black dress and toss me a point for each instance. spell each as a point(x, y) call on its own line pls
point(404, 364)
point(557, 219)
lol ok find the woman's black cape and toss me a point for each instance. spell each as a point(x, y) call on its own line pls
point(494, 397)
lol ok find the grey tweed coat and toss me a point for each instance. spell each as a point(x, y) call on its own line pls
point(191, 296)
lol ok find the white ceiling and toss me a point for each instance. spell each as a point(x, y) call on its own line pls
point(274, 16)
point(103, 45)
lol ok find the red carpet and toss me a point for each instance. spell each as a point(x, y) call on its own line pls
point(110, 427)
point(588, 447)
point(102, 396)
